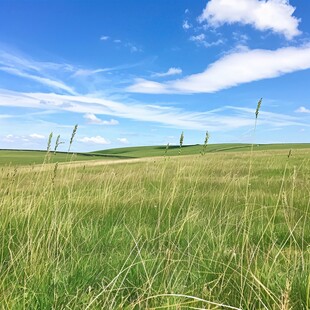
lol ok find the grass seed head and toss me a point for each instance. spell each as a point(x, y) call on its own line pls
point(258, 107)
point(57, 143)
point(49, 142)
point(204, 148)
point(167, 148)
point(72, 136)
point(181, 141)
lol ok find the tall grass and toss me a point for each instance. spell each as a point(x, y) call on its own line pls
point(181, 142)
point(158, 234)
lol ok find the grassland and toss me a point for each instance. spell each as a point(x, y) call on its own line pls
point(17, 157)
point(24, 157)
point(150, 151)
point(226, 230)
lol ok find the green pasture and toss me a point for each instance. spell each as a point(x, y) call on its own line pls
point(150, 151)
point(227, 230)
point(16, 157)
point(23, 157)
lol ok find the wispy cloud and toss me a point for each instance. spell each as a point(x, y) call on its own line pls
point(302, 110)
point(223, 119)
point(93, 119)
point(88, 72)
point(275, 15)
point(171, 71)
point(186, 25)
point(42, 80)
point(32, 138)
point(36, 136)
point(37, 71)
point(123, 140)
point(94, 140)
point(198, 38)
point(233, 69)
point(131, 46)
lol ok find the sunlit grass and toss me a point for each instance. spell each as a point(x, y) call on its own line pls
point(175, 232)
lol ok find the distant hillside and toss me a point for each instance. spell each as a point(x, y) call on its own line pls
point(149, 151)
point(30, 157)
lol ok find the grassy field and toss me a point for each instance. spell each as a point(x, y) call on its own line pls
point(16, 157)
point(23, 157)
point(150, 151)
point(227, 230)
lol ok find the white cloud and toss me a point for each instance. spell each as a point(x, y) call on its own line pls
point(133, 48)
point(186, 25)
point(24, 67)
point(93, 119)
point(198, 38)
point(36, 136)
point(42, 80)
point(8, 138)
point(87, 72)
point(302, 110)
point(94, 140)
point(171, 71)
point(14, 59)
point(24, 138)
point(214, 43)
point(275, 15)
point(148, 87)
point(123, 140)
point(224, 119)
point(110, 122)
point(233, 69)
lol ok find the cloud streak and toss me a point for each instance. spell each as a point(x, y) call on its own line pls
point(223, 119)
point(94, 140)
point(42, 80)
point(20, 66)
point(231, 70)
point(93, 119)
point(171, 71)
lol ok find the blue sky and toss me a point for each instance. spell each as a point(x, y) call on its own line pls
point(140, 72)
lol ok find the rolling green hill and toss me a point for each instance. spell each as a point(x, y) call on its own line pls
point(27, 157)
point(149, 151)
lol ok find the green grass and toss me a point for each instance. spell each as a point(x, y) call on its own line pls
point(16, 157)
point(23, 157)
point(150, 151)
point(184, 232)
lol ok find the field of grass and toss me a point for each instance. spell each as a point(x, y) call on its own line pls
point(24, 157)
point(16, 157)
point(227, 230)
point(150, 151)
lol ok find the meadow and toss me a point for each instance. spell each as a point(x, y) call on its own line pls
point(226, 230)
point(173, 150)
point(29, 157)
